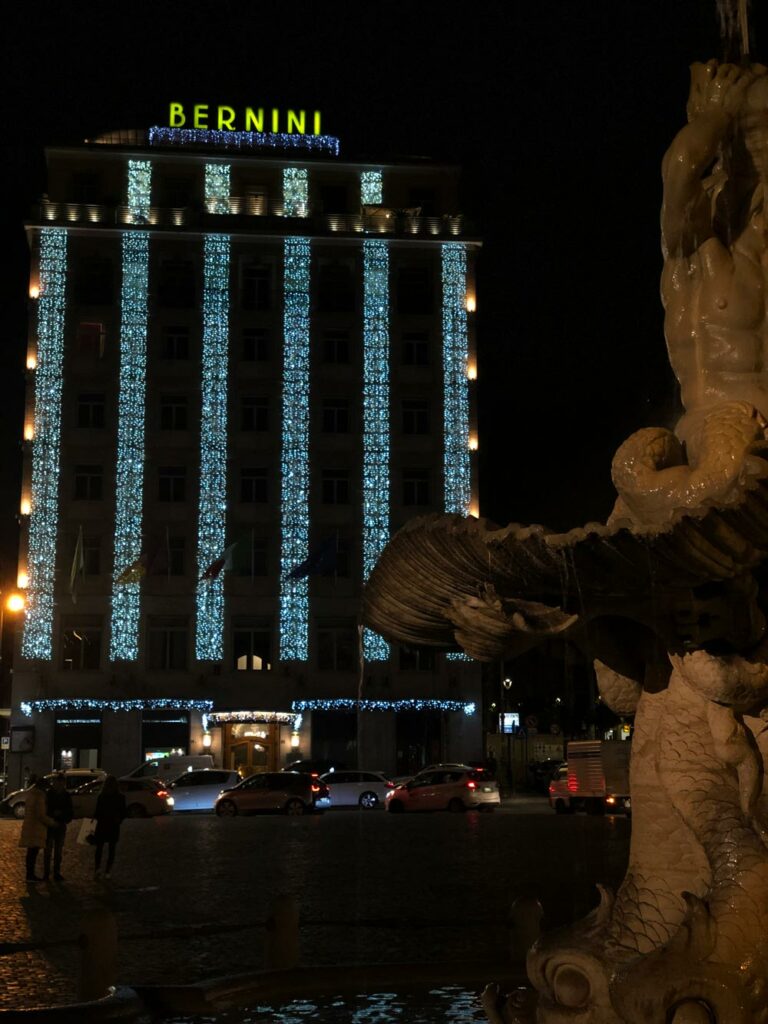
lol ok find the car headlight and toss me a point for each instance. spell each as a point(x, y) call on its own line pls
point(170, 801)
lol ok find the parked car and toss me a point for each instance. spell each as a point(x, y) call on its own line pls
point(291, 792)
point(169, 768)
point(199, 790)
point(595, 779)
point(14, 803)
point(357, 789)
point(144, 798)
point(449, 788)
point(314, 766)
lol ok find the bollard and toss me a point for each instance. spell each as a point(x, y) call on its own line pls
point(98, 960)
point(525, 916)
point(281, 950)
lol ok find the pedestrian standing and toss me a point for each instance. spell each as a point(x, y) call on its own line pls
point(58, 805)
point(109, 814)
point(34, 828)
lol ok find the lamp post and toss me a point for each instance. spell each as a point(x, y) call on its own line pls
point(506, 683)
point(13, 603)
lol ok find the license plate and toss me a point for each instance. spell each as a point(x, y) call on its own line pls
point(487, 789)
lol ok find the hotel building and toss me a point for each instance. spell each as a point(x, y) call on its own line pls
point(249, 362)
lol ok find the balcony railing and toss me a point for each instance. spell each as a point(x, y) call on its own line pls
point(378, 221)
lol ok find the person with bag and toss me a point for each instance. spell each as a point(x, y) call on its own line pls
point(109, 814)
point(58, 805)
point(34, 828)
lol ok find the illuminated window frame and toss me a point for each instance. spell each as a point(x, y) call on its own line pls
point(217, 188)
point(294, 460)
point(295, 192)
point(456, 460)
point(212, 516)
point(37, 640)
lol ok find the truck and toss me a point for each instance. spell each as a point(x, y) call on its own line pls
point(595, 778)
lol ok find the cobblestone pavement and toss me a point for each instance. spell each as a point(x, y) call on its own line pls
point(191, 893)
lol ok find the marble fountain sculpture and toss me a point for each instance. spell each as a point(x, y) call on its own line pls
point(671, 596)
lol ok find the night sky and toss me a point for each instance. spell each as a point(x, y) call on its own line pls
point(559, 112)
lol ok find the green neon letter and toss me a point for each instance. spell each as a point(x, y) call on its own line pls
point(317, 123)
point(226, 121)
point(298, 120)
point(254, 122)
point(176, 116)
point(201, 115)
point(275, 120)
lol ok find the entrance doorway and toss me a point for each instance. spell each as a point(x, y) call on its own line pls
point(251, 747)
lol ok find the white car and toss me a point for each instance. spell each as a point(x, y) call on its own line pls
point(73, 777)
point(357, 788)
point(198, 790)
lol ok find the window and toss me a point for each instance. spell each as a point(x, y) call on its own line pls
point(414, 291)
point(335, 416)
point(425, 198)
point(173, 412)
point(167, 555)
point(251, 557)
point(167, 643)
point(415, 348)
point(415, 486)
point(254, 413)
point(171, 483)
point(176, 288)
point(338, 561)
point(336, 288)
point(86, 187)
point(256, 200)
point(256, 286)
point(415, 417)
point(90, 411)
point(176, 343)
point(88, 483)
point(251, 649)
point(91, 556)
point(336, 647)
point(90, 339)
point(335, 487)
point(81, 648)
point(255, 345)
point(335, 346)
point(176, 549)
point(417, 659)
point(333, 198)
point(94, 284)
point(253, 485)
point(177, 192)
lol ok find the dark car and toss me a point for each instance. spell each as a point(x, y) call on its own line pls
point(315, 767)
point(290, 792)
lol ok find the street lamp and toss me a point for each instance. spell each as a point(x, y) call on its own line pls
point(13, 603)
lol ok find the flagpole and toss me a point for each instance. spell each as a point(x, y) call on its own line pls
point(253, 556)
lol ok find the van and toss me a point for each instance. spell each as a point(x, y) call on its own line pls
point(595, 778)
point(169, 768)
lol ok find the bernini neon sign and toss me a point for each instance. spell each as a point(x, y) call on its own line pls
point(202, 115)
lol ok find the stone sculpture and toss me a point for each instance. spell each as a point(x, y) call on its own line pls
point(671, 595)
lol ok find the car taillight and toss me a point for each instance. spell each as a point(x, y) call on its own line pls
point(551, 788)
point(390, 785)
point(163, 793)
point(610, 799)
point(315, 775)
point(315, 789)
point(471, 785)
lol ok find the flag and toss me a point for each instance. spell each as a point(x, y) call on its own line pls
point(321, 559)
point(78, 566)
point(219, 564)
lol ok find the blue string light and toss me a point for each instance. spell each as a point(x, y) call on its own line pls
point(295, 192)
point(457, 656)
point(139, 191)
point(371, 188)
point(129, 478)
point(280, 717)
point(44, 497)
point(456, 462)
point(411, 704)
point(294, 462)
point(212, 516)
point(376, 484)
point(31, 707)
point(217, 188)
point(161, 136)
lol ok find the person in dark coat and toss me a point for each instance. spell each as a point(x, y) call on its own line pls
point(58, 805)
point(35, 826)
point(109, 814)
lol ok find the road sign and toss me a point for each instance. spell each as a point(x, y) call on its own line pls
point(5, 742)
point(531, 721)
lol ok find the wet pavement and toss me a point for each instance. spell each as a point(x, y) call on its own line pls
point(191, 893)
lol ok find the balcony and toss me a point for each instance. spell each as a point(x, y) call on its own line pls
point(257, 211)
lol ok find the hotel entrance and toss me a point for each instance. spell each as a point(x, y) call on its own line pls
point(251, 747)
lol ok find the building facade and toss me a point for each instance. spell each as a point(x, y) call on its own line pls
point(249, 362)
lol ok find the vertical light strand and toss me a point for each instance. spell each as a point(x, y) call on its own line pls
point(212, 521)
point(294, 461)
point(217, 186)
point(456, 463)
point(44, 497)
point(295, 192)
point(129, 476)
point(139, 190)
point(371, 189)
